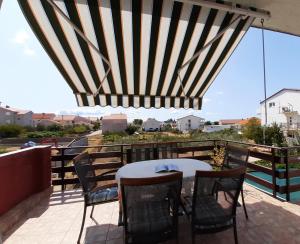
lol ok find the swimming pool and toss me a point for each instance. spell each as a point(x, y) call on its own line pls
point(294, 196)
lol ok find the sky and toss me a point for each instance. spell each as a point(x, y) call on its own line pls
point(29, 79)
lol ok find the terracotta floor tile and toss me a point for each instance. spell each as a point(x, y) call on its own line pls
point(58, 221)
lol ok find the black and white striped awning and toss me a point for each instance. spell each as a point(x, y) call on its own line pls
point(141, 46)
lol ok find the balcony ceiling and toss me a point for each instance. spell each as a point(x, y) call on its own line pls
point(284, 15)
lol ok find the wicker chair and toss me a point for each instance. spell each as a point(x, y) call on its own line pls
point(211, 214)
point(150, 208)
point(234, 157)
point(94, 194)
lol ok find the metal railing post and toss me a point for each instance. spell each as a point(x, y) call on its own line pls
point(274, 173)
point(62, 170)
point(122, 152)
point(287, 177)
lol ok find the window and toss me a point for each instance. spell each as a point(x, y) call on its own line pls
point(291, 121)
point(272, 104)
point(7, 113)
point(8, 121)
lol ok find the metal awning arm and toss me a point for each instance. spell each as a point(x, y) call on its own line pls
point(220, 34)
point(79, 32)
point(197, 54)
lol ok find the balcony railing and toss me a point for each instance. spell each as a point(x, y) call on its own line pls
point(203, 150)
point(293, 126)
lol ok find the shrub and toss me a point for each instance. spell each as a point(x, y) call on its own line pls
point(131, 129)
point(40, 127)
point(54, 128)
point(10, 130)
point(3, 150)
point(42, 134)
point(79, 129)
point(273, 135)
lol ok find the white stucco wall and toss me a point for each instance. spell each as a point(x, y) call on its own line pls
point(151, 123)
point(286, 98)
point(214, 128)
point(195, 123)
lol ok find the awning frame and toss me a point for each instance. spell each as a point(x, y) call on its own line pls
point(232, 7)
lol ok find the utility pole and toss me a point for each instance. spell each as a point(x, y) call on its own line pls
point(1, 3)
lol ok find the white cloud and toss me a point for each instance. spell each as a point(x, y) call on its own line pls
point(206, 100)
point(22, 38)
point(28, 51)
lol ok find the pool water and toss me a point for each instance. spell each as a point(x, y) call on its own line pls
point(294, 196)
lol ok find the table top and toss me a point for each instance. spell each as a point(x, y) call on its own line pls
point(146, 169)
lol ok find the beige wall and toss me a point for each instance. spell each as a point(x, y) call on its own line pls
point(114, 125)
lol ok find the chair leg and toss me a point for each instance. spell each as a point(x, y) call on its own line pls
point(91, 215)
point(193, 236)
point(244, 205)
point(235, 231)
point(82, 224)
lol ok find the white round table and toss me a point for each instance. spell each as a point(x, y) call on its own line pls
point(146, 169)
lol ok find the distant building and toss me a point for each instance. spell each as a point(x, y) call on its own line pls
point(16, 116)
point(71, 120)
point(230, 121)
point(152, 125)
point(93, 119)
point(283, 108)
point(190, 122)
point(214, 128)
point(44, 119)
point(46, 122)
point(114, 123)
point(39, 116)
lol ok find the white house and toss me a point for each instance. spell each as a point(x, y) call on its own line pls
point(10, 115)
point(283, 108)
point(190, 122)
point(151, 125)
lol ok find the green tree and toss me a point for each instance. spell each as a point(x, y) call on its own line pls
point(137, 122)
point(131, 129)
point(274, 135)
point(10, 130)
point(216, 123)
point(96, 126)
point(208, 123)
point(254, 131)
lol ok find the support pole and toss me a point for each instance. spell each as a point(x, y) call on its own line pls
point(265, 79)
point(1, 3)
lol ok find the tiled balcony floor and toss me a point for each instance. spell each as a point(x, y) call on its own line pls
point(58, 220)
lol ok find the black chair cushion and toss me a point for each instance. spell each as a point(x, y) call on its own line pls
point(102, 195)
point(209, 212)
point(150, 217)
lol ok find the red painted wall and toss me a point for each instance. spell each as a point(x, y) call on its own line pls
point(22, 174)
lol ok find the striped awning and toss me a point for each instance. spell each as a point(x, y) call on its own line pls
point(128, 52)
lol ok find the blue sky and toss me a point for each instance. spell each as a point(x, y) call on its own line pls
point(29, 79)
